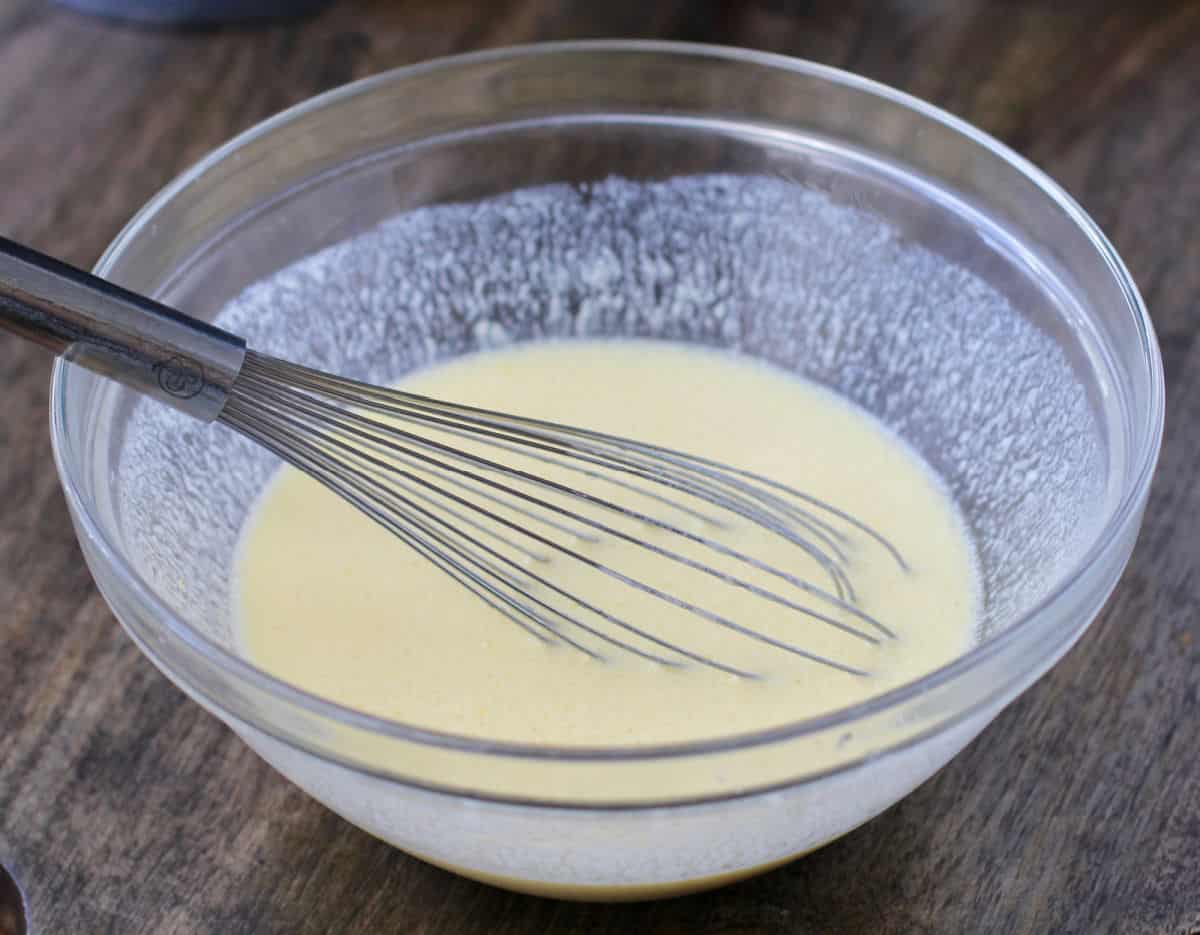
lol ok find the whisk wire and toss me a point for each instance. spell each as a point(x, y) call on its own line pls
point(362, 430)
point(598, 566)
point(447, 503)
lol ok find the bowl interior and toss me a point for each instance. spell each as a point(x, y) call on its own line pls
point(857, 276)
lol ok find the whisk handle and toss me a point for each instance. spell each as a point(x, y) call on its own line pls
point(142, 343)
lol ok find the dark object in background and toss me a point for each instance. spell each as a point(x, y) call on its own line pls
point(196, 12)
point(12, 906)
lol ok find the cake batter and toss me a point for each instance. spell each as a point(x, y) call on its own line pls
point(337, 605)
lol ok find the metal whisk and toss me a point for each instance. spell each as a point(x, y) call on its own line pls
point(520, 512)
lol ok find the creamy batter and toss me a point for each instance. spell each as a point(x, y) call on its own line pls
point(331, 602)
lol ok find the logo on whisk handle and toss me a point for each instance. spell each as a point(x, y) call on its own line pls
point(180, 377)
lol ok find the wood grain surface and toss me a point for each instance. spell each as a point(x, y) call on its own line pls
point(126, 809)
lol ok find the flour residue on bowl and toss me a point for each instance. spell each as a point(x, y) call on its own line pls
point(758, 265)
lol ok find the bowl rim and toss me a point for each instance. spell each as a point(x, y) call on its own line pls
point(1123, 515)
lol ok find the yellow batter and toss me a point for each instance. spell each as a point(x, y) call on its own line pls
point(329, 601)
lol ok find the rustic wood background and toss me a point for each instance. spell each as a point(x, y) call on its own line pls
point(126, 809)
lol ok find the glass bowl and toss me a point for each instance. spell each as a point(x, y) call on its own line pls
point(783, 209)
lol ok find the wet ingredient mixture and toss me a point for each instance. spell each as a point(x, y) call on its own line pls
point(332, 602)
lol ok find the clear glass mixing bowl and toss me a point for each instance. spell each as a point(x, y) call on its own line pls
point(790, 211)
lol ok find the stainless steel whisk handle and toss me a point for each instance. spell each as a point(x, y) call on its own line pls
point(142, 343)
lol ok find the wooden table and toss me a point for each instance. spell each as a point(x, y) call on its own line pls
point(124, 808)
